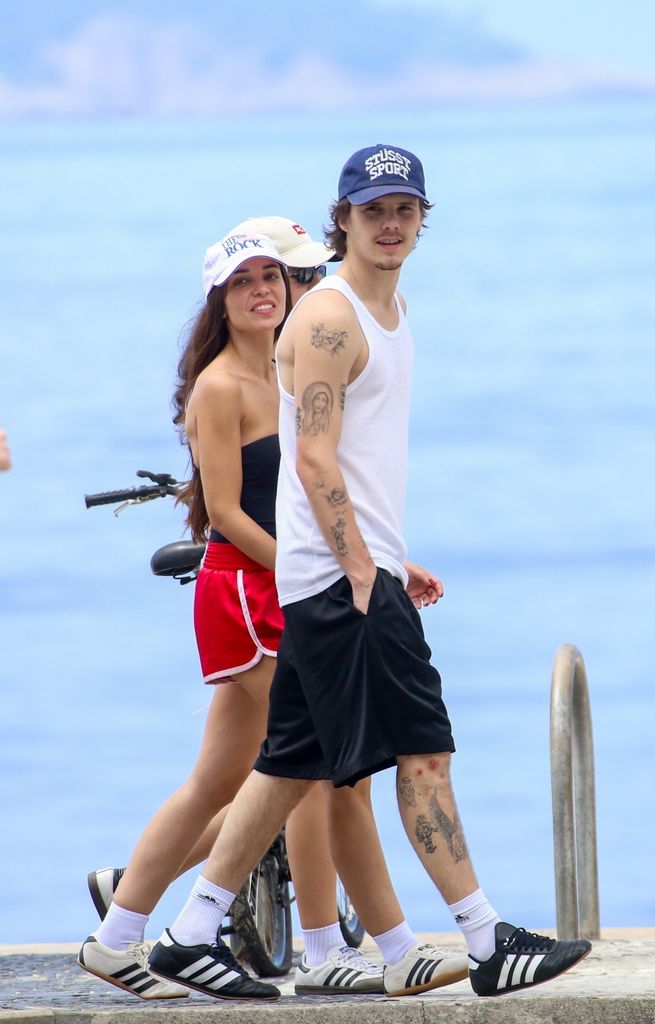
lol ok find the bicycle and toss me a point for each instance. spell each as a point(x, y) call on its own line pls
point(260, 924)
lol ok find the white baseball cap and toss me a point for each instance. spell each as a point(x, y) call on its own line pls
point(226, 256)
point(291, 240)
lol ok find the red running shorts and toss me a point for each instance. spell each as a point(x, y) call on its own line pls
point(236, 613)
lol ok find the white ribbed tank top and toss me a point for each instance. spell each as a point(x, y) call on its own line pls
point(372, 454)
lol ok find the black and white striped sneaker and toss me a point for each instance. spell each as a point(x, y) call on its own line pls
point(209, 969)
point(102, 884)
point(424, 967)
point(128, 970)
point(523, 959)
point(345, 970)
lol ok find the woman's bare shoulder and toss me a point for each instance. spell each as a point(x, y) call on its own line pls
point(216, 382)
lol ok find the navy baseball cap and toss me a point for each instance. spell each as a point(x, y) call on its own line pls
point(380, 171)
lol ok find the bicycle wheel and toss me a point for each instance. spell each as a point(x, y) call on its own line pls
point(261, 916)
point(352, 928)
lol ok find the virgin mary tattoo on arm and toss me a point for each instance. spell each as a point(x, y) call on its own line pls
point(317, 405)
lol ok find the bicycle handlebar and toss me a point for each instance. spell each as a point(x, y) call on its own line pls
point(164, 485)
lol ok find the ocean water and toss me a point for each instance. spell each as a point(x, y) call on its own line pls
point(532, 303)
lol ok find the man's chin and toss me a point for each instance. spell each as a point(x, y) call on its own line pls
point(396, 265)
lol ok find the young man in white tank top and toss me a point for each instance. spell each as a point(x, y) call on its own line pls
point(354, 691)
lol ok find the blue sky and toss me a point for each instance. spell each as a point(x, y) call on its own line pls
point(164, 58)
point(607, 32)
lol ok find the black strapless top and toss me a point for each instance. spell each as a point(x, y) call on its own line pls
point(260, 462)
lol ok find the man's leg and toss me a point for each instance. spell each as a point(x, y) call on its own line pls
point(188, 952)
point(410, 966)
point(502, 958)
point(429, 814)
point(255, 817)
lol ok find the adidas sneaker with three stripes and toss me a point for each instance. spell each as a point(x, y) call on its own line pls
point(523, 959)
point(127, 970)
point(211, 969)
point(345, 970)
point(424, 967)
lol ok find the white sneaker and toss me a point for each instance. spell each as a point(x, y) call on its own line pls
point(424, 967)
point(102, 886)
point(345, 970)
point(128, 970)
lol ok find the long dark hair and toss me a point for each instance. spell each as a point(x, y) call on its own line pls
point(336, 238)
point(206, 337)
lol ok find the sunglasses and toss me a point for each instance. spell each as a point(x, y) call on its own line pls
point(305, 275)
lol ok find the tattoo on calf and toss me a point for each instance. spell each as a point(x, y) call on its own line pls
point(450, 828)
point(424, 832)
point(406, 791)
point(331, 341)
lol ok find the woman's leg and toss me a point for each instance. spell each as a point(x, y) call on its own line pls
point(357, 853)
point(313, 872)
point(236, 725)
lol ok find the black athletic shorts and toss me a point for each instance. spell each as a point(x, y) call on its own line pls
point(351, 692)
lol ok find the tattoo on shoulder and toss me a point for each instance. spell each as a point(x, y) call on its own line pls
point(331, 341)
point(406, 791)
point(342, 397)
point(314, 413)
point(337, 497)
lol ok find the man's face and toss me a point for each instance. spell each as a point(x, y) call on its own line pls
point(303, 279)
point(384, 231)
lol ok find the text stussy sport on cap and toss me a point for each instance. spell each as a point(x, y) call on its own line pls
point(387, 161)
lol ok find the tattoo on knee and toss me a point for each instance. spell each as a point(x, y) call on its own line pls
point(424, 832)
point(450, 828)
point(406, 791)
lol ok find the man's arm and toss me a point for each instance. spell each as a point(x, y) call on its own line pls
point(327, 342)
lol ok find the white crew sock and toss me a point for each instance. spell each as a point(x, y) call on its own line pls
point(394, 944)
point(202, 914)
point(121, 927)
point(477, 920)
point(319, 942)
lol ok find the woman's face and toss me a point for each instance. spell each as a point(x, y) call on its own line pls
point(319, 402)
point(255, 296)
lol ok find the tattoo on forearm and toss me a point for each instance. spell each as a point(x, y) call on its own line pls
point(450, 828)
point(338, 532)
point(424, 832)
point(342, 397)
point(336, 497)
point(406, 791)
point(331, 341)
point(317, 403)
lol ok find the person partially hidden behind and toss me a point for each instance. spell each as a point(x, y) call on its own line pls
point(354, 691)
point(5, 457)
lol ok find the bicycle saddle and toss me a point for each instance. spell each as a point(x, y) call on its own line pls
point(183, 556)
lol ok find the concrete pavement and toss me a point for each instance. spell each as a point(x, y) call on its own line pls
point(616, 983)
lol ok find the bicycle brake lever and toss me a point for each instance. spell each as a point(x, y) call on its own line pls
point(157, 478)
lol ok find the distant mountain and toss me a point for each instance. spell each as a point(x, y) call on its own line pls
point(163, 57)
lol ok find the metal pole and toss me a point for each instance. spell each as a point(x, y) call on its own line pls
point(574, 801)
